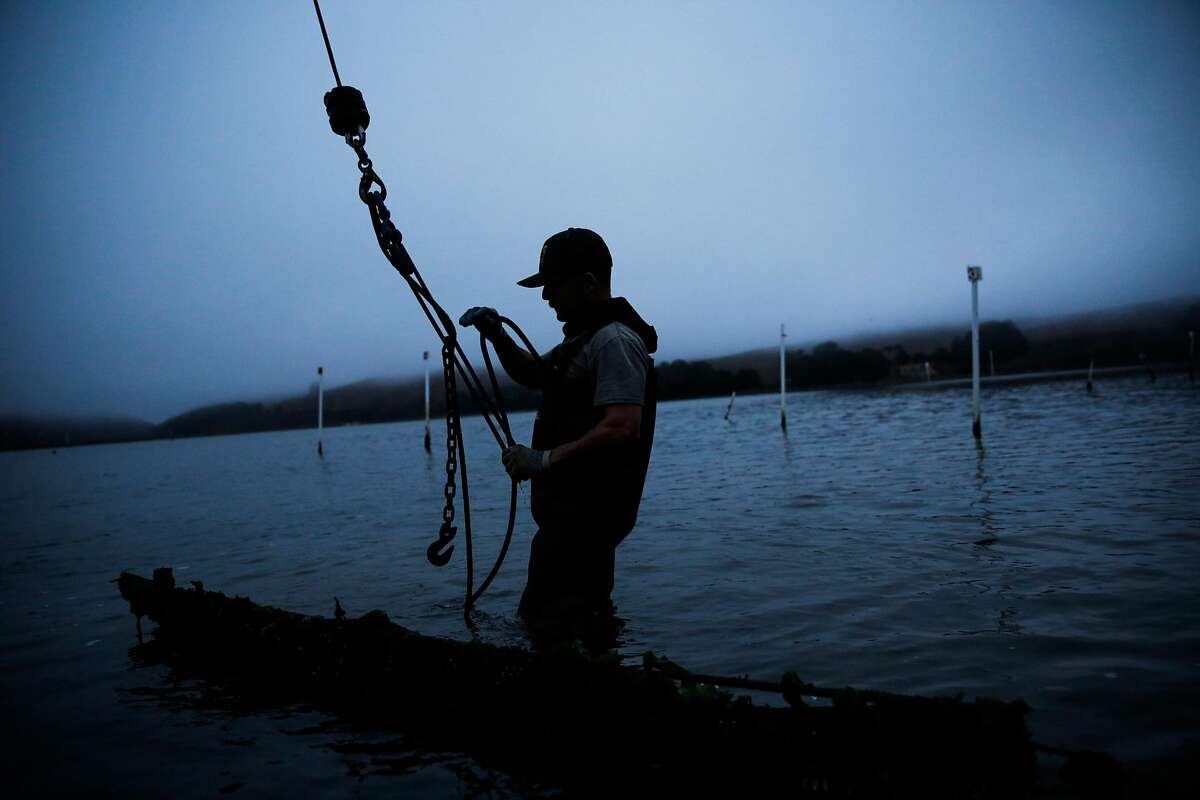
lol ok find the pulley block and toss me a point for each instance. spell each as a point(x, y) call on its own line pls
point(347, 110)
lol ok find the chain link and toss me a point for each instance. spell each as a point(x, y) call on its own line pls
point(452, 434)
point(438, 553)
point(358, 142)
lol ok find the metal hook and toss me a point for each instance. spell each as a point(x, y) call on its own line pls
point(436, 558)
point(433, 552)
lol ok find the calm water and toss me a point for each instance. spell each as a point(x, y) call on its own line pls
point(872, 545)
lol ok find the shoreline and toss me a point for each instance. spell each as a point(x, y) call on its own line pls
point(886, 386)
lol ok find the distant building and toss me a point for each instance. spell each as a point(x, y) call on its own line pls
point(915, 371)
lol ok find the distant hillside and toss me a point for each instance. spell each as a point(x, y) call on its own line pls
point(1160, 315)
point(1147, 333)
point(1141, 324)
point(366, 401)
point(1163, 316)
point(23, 433)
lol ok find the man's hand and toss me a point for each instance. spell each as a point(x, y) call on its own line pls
point(523, 462)
point(486, 321)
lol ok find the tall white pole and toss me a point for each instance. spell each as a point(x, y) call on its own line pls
point(320, 410)
point(729, 407)
point(425, 358)
point(975, 275)
point(782, 382)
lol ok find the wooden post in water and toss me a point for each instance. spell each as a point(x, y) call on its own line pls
point(320, 410)
point(992, 363)
point(782, 382)
point(425, 358)
point(975, 275)
point(1091, 367)
point(729, 407)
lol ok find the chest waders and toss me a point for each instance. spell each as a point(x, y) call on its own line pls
point(606, 490)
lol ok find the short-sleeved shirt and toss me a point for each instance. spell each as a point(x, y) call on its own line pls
point(616, 361)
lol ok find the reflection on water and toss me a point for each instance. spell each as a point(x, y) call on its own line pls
point(270, 742)
point(983, 505)
point(873, 545)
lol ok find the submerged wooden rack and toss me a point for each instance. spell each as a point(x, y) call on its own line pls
point(589, 724)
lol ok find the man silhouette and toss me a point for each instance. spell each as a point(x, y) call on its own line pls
point(593, 432)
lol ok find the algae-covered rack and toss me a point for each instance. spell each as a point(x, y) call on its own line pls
point(591, 725)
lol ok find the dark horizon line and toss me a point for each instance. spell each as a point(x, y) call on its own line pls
point(852, 339)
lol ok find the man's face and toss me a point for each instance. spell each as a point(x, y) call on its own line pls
point(569, 295)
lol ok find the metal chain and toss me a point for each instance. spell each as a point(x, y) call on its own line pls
point(452, 435)
point(358, 143)
point(440, 551)
point(391, 243)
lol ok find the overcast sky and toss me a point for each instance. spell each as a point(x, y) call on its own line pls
point(180, 225)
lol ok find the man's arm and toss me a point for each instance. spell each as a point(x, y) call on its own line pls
point(621, 425)
point(621, 370)
point(518, 362)
point(621, 365)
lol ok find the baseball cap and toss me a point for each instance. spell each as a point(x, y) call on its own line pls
point(570, 252)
